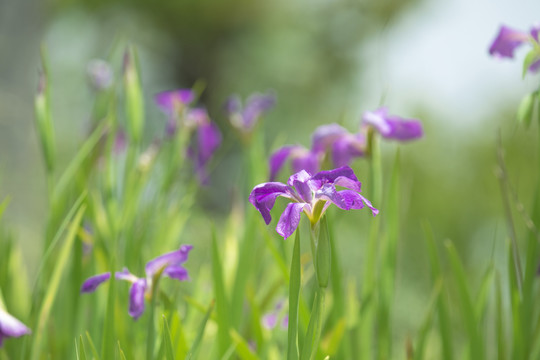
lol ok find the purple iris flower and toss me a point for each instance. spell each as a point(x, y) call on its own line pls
point(311, 194)
point(173, 103)
point(169, 264)
point(208, 139)
point(11, 327)
point(391, 126)
point(256, 105)
point(322, 142)
point(508, 40)
point(301, 159)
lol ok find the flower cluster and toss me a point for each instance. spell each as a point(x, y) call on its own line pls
point(176, 105)
point(508, 40)
point(342, 146)
point(11, 327)
point(169, 264)
point(311, 194)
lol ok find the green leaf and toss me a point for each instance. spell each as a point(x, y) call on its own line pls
point(79, 347)
point(222, 304)
point(445, 329)
point(311, 340)
point(482, 297)
point(501, 336)
point(108, 337)
point(166, 339)
point(525, 109)
point(69, 173)
point(426, 324)
point(195, 347)
point(54, 283)
point(294, 295)
point(531, 57)
point(476, 343)
point(92, 347)
point(242, 348)
point(121, 354)
point(323, 263)
point(134, 97)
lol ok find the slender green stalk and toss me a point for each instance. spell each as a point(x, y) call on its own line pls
point(294, 294)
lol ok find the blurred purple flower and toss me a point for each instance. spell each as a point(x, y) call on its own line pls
point(100, 74)
point(256, 105)
point(327, 140)
point(120, 142)
point(391, 126)
point(311, 194)
point(270, 319)
point(301, 159)
point(170, 102)
point(208, 139)
point(169, 265)
point(508, 40)
point(173, 103)
point(11, 327)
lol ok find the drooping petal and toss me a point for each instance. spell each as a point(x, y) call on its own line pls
point(208, 140)
point(393, 127)
point(177, 257)
point(290, 218)
point(325, 135)
point(91, 284)
point(278, 158)
point(171, 101)
point(136, 298)
point(256, 105)
point(177, 272)
point(356, 201)
point(263, 197)
point(348, 147)
point(11, 327)
point(507, 41)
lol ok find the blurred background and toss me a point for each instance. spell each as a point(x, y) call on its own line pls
point(327, 61)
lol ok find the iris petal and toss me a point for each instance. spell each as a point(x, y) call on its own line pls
point(91, 284)
point(507, 41)
point(278, 158)
point(263, 197)
point(177, 257)
point(168, 101)
point(289, 220)
point(11, 327)
point(136, 298)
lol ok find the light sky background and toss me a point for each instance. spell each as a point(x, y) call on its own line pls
point(436, 56)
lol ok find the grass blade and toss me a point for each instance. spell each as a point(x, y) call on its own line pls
point(222, 304)
point(294, 294)
point(166, 339)
point(476, 344)
point(54, 283)
point(192, 354)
